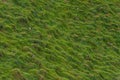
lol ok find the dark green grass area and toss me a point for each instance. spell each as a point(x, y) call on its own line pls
point(59, 39)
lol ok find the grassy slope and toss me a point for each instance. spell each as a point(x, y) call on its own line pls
point(59, 39)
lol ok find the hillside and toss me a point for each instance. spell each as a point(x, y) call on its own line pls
point(59, 39)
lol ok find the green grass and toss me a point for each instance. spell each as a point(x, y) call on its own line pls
point(59, 39)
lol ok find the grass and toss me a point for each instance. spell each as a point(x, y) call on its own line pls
point(59, 40)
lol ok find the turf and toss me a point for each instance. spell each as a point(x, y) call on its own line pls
point(59, 39)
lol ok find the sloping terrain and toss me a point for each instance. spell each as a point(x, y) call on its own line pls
point(59, 39)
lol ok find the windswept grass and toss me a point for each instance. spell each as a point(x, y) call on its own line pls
point(59, 39)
